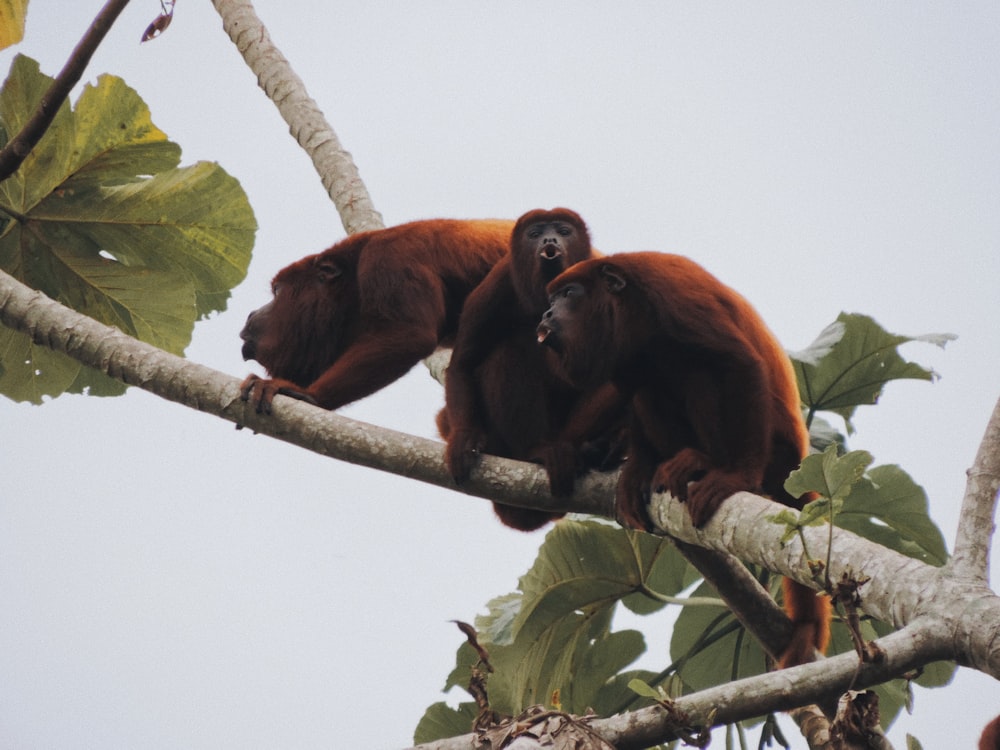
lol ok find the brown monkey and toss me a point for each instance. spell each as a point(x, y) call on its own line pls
point(503, 395)
point(713, 395)
point(348, 321)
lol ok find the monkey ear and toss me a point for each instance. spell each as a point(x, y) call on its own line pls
point(328, 270)
point(614, 280)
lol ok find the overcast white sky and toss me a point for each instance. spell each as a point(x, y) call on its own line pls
point(167, 581)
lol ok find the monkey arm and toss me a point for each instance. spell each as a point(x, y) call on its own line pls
point(373, 361)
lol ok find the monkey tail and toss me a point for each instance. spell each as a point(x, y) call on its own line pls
point(810, 614)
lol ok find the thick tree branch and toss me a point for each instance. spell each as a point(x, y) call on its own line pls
point(949, 617)
point(18, 148)
point(976, 521)
point(966, 609)
point(741, 526)
point(136, 363)
point(306, 122)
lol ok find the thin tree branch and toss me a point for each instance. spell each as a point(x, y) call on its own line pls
point(18, 148)
point(306, 122)
point(755, 696)
point(976, 523)
point(745, 596)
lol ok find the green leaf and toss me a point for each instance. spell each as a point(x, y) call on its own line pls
point(641, 687)
point(819, 511)
point(529, 671)
point(498, 625)
point(465, 658)
point(31, 371)
point(555, 633)
point(586, 565)
point(617, 694)
point(102, 219)
point(701, 665)
point(889, 508)
point(440, 721)
point(822, 435)
point(851, 361)
point(829, 475)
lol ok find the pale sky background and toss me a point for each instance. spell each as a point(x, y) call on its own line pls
point(169, 582)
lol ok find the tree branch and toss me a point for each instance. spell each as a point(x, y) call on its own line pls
point(133, 362)
point(745, 596)
point(18, 148)
point(965, 608)
point(976, 525)
point(754, 696)
point(739, 527)
point(306, 122)
point(952, 617)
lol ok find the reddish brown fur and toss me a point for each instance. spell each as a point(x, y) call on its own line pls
point(990, 738)
point(354, 318)
point(502, 394)
point(713, 394)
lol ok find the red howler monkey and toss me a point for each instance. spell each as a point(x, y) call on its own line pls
point(501, 392)
point(352, 319)
point(990, 738)
point(713, 394)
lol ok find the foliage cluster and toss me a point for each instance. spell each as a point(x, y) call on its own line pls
point(101, 217)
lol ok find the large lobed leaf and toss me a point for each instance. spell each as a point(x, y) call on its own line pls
point(101, 218)
point(554, 636)
point(588, 565)
point(889, 508)
point(851, 361)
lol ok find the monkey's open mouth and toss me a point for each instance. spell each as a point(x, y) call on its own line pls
point(249, 350)
point(546, 337)
point(550, 253)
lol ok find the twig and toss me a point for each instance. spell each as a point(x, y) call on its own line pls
point(18, 148)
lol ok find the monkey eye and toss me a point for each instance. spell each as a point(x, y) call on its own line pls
point(534, 232)
point(564, 230)
point(570, 290)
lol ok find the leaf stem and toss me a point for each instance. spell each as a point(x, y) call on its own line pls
point(684, 601)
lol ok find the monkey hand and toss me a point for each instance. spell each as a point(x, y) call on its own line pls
point(260, 392)
point(708, 493)
point(632, 499)
point(674, 474)
point(463, 451)
point(560, 462)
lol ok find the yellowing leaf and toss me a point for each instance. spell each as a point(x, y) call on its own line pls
point(12, 14)
point(101, 218)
